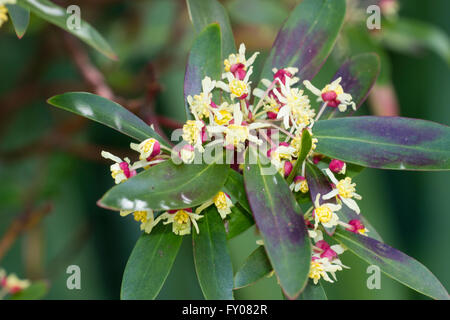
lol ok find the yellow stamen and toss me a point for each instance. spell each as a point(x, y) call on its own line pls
point(238, 87)
point(346, 188)
point(324, 213)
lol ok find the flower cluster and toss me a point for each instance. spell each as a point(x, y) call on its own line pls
point(11, 284)
point(276, 114)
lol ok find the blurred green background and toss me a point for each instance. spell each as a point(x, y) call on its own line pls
point(50, 165)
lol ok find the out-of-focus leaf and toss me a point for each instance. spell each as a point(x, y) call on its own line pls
point(238, 221)
point(20, 18)
point(150, 263)
point(62, 18)
point(255, 267)
point(204, 60)
point(318, 183)
point(257, 12)
point(358, 76)
point(280, 222)
point(306, 144)
point(394, 263)
point(167, 186)
point(211, 257)
point(106, 112)
point(385, 142)
point(203, 13)
point(36, 291)
point(313, 292)
point(307, 38)
point(410, 36)
point(234, 187)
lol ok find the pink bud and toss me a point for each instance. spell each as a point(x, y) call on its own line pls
point(125, 168)
point(272, 115)
point(284, 144)
point(329, 96)
point(287, 168)
point(316, 159)
point(281, 74)
point(298, 179)
point(356, 226)
point(238, 69)
point(337, 166)
point(212, 104)
point(156, 150)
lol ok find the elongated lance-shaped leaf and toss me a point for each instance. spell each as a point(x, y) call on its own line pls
point(313, 292)
point(204, 60)
point(20, 18)
point(167, 186)
point(106, 112)
point(281, 223)
point(358, 74)
point(68, 20)
point(238, 221)
point(318, 184)
point(203, 13)
point(212, 258)
point(307, 38)
point(385, 142)
point(393, 263)
point(255, 267)
point(305, 148)
point(150, 263)
point(234, 187)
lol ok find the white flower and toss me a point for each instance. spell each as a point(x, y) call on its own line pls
point(192, 133)
point(239, 60)
point(187, 154)
point(121, 170)
point(237, 88)
point(145, 217)
point(345, 189)
point(296, 106)
point(325, 213)
point(321, 267)
point(333, 94)
point(222, 202)
point(181, 220)
point(12, 284)
point(148, 148)
point(200, 105)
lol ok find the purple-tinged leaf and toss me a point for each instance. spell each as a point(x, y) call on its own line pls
point(255, 267)
point(318, 183)
point(385, 142)
point(307, 38)
point(204, 60)
point(393, 263)
point(313, 292)
point(358, 77)
point(281, 224)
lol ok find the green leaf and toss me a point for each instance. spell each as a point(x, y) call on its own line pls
point(167, 186)
point(307, 38)
point(393, 263)
point(36, 291)
point(204, 60)
point(20, 18)
point(306, 144)
point(150, 263)
point(313, 292)
point(255, 267)
point(106, 112)
point(211, 257)
point(385, 142)
point(234, 187)
point(60, 17)
point(238, 221)
point(203, 13)
point(280, 222)
point(410, 36)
